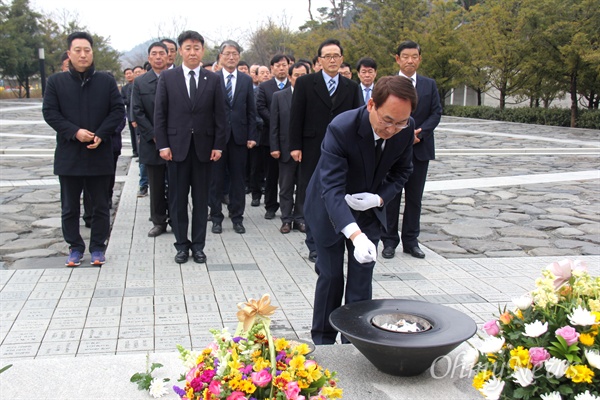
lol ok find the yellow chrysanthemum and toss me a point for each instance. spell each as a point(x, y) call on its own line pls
point(580, 373)
point(297, 362)
point(597, 313)
point(327, 374)
point(302, 373)
point(519, 314)
point(595, 308)
point(331, 393)
point(586, 339)
point(519, 357)
point(302, 349)
point(286, 376)
point(281, 344)
point(303, 383)
point(314, 373)
point(255, 355)
point(481, 378)
point(260, 364)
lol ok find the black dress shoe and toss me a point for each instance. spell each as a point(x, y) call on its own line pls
point(239, 228)
point(199, 257)
point(300, 226)
point(388, 252)
point(216, 228)
point(255, 202)
point(286, 227)
point(182, 257)
point(414, 251)
point(270, 215)
point(157, 230)
point(312, 256)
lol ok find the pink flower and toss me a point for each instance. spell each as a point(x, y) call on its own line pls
point(261, 378)
point(568, 333)
point(236, 396)
point(491, 328)
point(309, 363)
point(537, 356)
point(215, 388)
point(193, 373)
point(292, 391)
point(562, 270)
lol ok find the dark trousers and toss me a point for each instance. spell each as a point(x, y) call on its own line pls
point(158, 197)
point(134, 144)
point(330, 286)
point(183, 176)
point(98, 188)
point(411, 218)
point(87, 201)
point(272, 176)
point(233, 159)
point(257, 171)
point(288, 177)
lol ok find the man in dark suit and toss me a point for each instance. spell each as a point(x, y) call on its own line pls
point(126, 94)
point(85, 108)
point(317, 99)
point(279, 70)
point(280, 149)
point(144, 91)
point(366, 68)
point(189, 126)
point(240, 111)
point(427, 117)
point(365, 160)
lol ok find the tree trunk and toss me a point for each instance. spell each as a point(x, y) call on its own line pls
point(479, 97)
point(27, 94)
point(573, 91)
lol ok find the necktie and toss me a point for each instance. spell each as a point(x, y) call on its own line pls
point(367, 94)
point(281, 85)
point(331, 86)
point(193, 87)
point(378, 150)
point(228, 88)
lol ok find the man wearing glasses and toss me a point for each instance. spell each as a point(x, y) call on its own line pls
point(427, 117)
point(317, 99)
point(365, 160)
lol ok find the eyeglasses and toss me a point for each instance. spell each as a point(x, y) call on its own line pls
point(333, 57)
point(398, 125)
point(230, 54)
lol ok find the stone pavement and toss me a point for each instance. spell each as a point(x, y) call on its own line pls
point(503, 201)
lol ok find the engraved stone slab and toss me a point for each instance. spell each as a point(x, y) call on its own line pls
point(138, 301)
point(67, 323)
point(62, 335)
point(170, 308)
point(194, 308)
point(109, 292)
point(135, 310)
point(70, 312)
point(80, 285)
point(58, 348)
point(33, 313)
point(102, 321)
point(106, 302)
point(100, 333)
point(139, 291)
point(206, 319)
point(19, 350)
point(19, 287)
point(170, 319)
point(171, 330)
point(97, 346)
point(30, 325)
point(170, 342)
point(137, 320)
point(168, 290)
point(97, 311)
point(132, 332)
point(140, 283)
point(135, 344)
point(77, 293)
point(169, 299)
point(73, 303)
point(16, 337)
point(14, 296)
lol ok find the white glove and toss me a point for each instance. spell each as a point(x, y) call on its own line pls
point(362, 201)
point(364, 249)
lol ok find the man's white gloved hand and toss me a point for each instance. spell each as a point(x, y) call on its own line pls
point(364, 249)
point(362, 201)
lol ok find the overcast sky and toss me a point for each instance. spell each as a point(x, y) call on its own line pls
point(131, 22)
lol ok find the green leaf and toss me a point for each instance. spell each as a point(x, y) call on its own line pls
point(5, 368)
point(136, 377)
point(519, 393)
point(154, 366)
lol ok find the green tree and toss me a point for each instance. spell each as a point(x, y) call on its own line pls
point(269, 39)
point(20, 36)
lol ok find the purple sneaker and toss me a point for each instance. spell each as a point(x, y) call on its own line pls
point(74, 259)
point(98, 258)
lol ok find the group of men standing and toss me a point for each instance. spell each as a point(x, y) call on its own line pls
point(347, 150)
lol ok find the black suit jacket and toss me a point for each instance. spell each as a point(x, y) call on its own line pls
point(142, 103)
point(264, 97)
point(313, 109)
point(241, 113)
point(280, 123)
point(177, 118)
point(427, 116)
point(347, 166)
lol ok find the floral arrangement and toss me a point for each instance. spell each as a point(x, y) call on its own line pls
point(252, 365)
point(548, 347)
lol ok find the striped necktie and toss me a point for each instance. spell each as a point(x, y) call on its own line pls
point(228, 88)
point(331, 86)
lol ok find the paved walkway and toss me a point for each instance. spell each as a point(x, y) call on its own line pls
point(503, 201)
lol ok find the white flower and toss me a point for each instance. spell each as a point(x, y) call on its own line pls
point(586, 396)
point(157, 388)
point(523, 376)
point(593, 358)
point(581, 316)
point(469, 358)
point(492, 389)
point(523, 302)
point(551, 396)
point(491, 344)
point(535, 329)
point(556, 367)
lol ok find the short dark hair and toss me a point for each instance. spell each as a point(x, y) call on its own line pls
point(304, 60)
point(330, 42)
point(278, 57)
point(79, 35)
point(207, 66)
point(187, 35)
point(345, 64)
point(230, 43)
point(64, 56)
point(366, 62)
point(315, 60)
point(127, 69)
point(169, 41)
point(242, 62)
point(395, 85)
point(137, 66)
point(291, 58)
point(147, 66)
point(297, 65)
point(158, 44)
point(408, 44)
